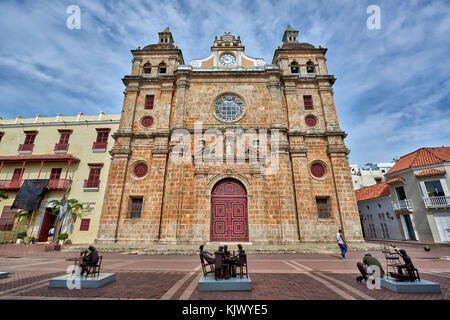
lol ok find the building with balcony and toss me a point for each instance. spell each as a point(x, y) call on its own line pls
point(376, 212)
point(418, 183)
point(68, 151)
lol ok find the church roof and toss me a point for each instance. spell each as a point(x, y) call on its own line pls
point(302, 45)
point(159, 46)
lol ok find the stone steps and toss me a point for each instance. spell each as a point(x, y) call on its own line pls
point(187, 249)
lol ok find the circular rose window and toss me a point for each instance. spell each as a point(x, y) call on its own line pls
point(317, 170)
point(147, 122)
point(311, 121)
point(229, 108)
point(140, 170)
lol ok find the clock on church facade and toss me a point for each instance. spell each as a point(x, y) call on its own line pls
point(305, 196)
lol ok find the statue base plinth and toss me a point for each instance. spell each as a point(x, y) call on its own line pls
point(208, 283)
point(422, 286)
point(69, 282)
point(4, 275)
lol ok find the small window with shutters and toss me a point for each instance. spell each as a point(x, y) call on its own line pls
point(84, 225)
point(149, 100)
point(307, 100)
point(322, 208)
point(93, 180)
point(29, 139)
point(7, 218)
point(55, 174)
point(136, 207)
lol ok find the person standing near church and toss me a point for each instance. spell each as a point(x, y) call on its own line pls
point(342, 244)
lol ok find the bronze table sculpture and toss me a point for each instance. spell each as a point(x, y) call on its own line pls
point(223, 264)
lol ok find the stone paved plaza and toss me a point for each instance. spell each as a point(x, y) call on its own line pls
point(301, 276)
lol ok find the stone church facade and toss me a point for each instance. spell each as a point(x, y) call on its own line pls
point(262, 158)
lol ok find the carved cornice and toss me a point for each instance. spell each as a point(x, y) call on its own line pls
point(300, 133)
point(337, 151)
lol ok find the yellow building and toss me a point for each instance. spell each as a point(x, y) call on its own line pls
point(72, 153)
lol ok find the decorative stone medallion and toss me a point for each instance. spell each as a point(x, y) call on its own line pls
point(318, 170)
point(140, 170)
point(147, 122)
point(229, 108)
point(311, 121)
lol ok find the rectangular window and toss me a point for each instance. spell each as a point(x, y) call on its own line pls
point(401, 195)
point(1, 136)
point(16, 174)
point(372, 231)
point(102, 136)
point(94, 176)
point(322, 208)
point(84, 225)
point(55, 174)
point(29, 139)
point(102, 139)
point(7, 218)
point(434, 188)
point(149, 100)
point(136, 208)
point(307, 100)
point(64, 138)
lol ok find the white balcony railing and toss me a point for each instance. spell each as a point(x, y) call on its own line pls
point(402, 205)
point(437, 202)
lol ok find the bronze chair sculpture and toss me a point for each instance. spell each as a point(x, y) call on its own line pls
point(206, 260)
point(224, 264)
point(242, 262)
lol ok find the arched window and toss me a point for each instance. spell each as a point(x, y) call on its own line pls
point(310, 67)
point(147, 68)
point(294, 67)
point(162, 68)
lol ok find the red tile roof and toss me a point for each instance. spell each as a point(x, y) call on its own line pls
point(422, 157)
point(38, 158)
point(394, 180)
point(430, 172)
point(376, 191)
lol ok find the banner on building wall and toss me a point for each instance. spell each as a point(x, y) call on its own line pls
point(30, 194)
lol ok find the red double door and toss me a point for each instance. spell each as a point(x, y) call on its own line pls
point(47, 224)
point(229, 217)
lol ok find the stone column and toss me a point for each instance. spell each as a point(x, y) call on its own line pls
point(329, 108)
point(346, 199)
point(179, 109)
point(277, 113)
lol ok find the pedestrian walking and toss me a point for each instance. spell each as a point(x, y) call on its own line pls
point(342, 244)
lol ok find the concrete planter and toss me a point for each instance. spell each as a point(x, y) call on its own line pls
point(19, 241)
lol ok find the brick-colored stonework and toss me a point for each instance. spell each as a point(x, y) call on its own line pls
point(176, 197)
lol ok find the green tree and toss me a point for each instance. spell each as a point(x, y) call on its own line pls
point(73, 206)
point(3, 195)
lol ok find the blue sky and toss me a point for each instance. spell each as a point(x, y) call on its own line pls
point(392, 89)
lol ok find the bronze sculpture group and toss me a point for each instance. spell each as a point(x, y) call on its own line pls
point(224, 264)
point(402, 271)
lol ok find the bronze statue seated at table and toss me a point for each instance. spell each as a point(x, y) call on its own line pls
point(89, 260)
point(223, 264)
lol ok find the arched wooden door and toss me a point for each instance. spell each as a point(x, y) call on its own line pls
point(229, 217)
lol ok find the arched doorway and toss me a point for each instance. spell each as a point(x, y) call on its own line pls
point(229, 217)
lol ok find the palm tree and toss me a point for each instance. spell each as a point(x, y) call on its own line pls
point(3, 195)
point(73, 206)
